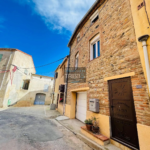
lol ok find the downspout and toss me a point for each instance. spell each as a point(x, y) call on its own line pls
point(5, 72)
point(143, 39)
point(64, 104)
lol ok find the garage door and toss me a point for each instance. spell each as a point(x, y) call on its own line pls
point(40, 99)
point(81, 106)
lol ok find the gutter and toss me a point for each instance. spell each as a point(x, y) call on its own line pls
point(66, 87)
point(97, 1)
point(144, 39)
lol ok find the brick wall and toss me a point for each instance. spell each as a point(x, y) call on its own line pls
point(119, 55)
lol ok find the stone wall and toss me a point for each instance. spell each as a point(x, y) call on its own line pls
point(119, 55)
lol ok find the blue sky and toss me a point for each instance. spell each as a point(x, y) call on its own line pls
point(41, 28)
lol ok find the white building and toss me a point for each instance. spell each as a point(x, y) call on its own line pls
point(18, 81)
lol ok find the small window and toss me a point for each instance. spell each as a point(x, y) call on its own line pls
point(1, 55)
point(95, 48)
point(56, 75)
point(76, 61)
point(63, 70)
point(94, 17)
point(93, 21)
point(25, 85)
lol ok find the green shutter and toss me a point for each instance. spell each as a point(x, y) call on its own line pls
point(1, 55)
point(22, 84)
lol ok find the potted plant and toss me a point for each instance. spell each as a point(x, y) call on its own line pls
point(89, 124)
point(95, 127)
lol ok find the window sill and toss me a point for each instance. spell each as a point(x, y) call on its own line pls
point(24, 89)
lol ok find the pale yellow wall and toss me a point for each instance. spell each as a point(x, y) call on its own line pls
point(92, 137)
point(67, 110)
point(144, 136)
point(60, 80)
point(141, 26)
point(103, 120)
point(60, 108)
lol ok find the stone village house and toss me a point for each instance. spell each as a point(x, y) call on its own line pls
point(19, 85)
point(108, 42)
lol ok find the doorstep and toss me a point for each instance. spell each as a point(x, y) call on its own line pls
point(98, 138)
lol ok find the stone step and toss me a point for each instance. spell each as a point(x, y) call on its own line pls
point(94, 145)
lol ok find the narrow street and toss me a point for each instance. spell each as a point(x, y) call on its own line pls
point(34, 128)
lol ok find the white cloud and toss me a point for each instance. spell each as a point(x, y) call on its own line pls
point(60, 14)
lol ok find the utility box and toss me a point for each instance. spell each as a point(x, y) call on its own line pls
point(94, 105)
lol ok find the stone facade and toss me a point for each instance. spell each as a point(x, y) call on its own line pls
point(119, 55)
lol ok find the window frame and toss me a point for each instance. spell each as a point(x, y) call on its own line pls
point(94, 16)
point(25, 84)
point(76, 62)
point(92, 43)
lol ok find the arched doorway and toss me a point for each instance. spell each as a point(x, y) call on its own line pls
point(40, 99)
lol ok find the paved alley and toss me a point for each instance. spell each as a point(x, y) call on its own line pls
point(34, 128)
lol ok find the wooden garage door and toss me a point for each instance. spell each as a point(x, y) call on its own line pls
point(81, 106)
point(40, 99)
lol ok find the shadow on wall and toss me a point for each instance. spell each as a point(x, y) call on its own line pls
point(29, 98)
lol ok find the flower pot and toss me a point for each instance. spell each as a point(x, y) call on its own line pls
point(89, 127)
point(95, 129)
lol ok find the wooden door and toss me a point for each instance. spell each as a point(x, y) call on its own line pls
point(122, 111)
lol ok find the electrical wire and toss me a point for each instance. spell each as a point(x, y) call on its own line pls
point(45, 64)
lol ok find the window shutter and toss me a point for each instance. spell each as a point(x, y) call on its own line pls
point(22, 84)
point(1, 55)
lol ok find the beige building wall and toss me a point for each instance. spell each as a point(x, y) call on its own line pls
point(41, 84)
point(60, 81)
point(5, 64)
point(12, 90)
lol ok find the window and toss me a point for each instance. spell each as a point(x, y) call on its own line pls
point(1, 55)
point(56, 75)
point(63, 70)
point(94, 17)
point(95, 48)
point(76, 61)
point(25, 84)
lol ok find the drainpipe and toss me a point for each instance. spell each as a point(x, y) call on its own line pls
point(143, 39)
point(64, 104)
point(5, 72)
